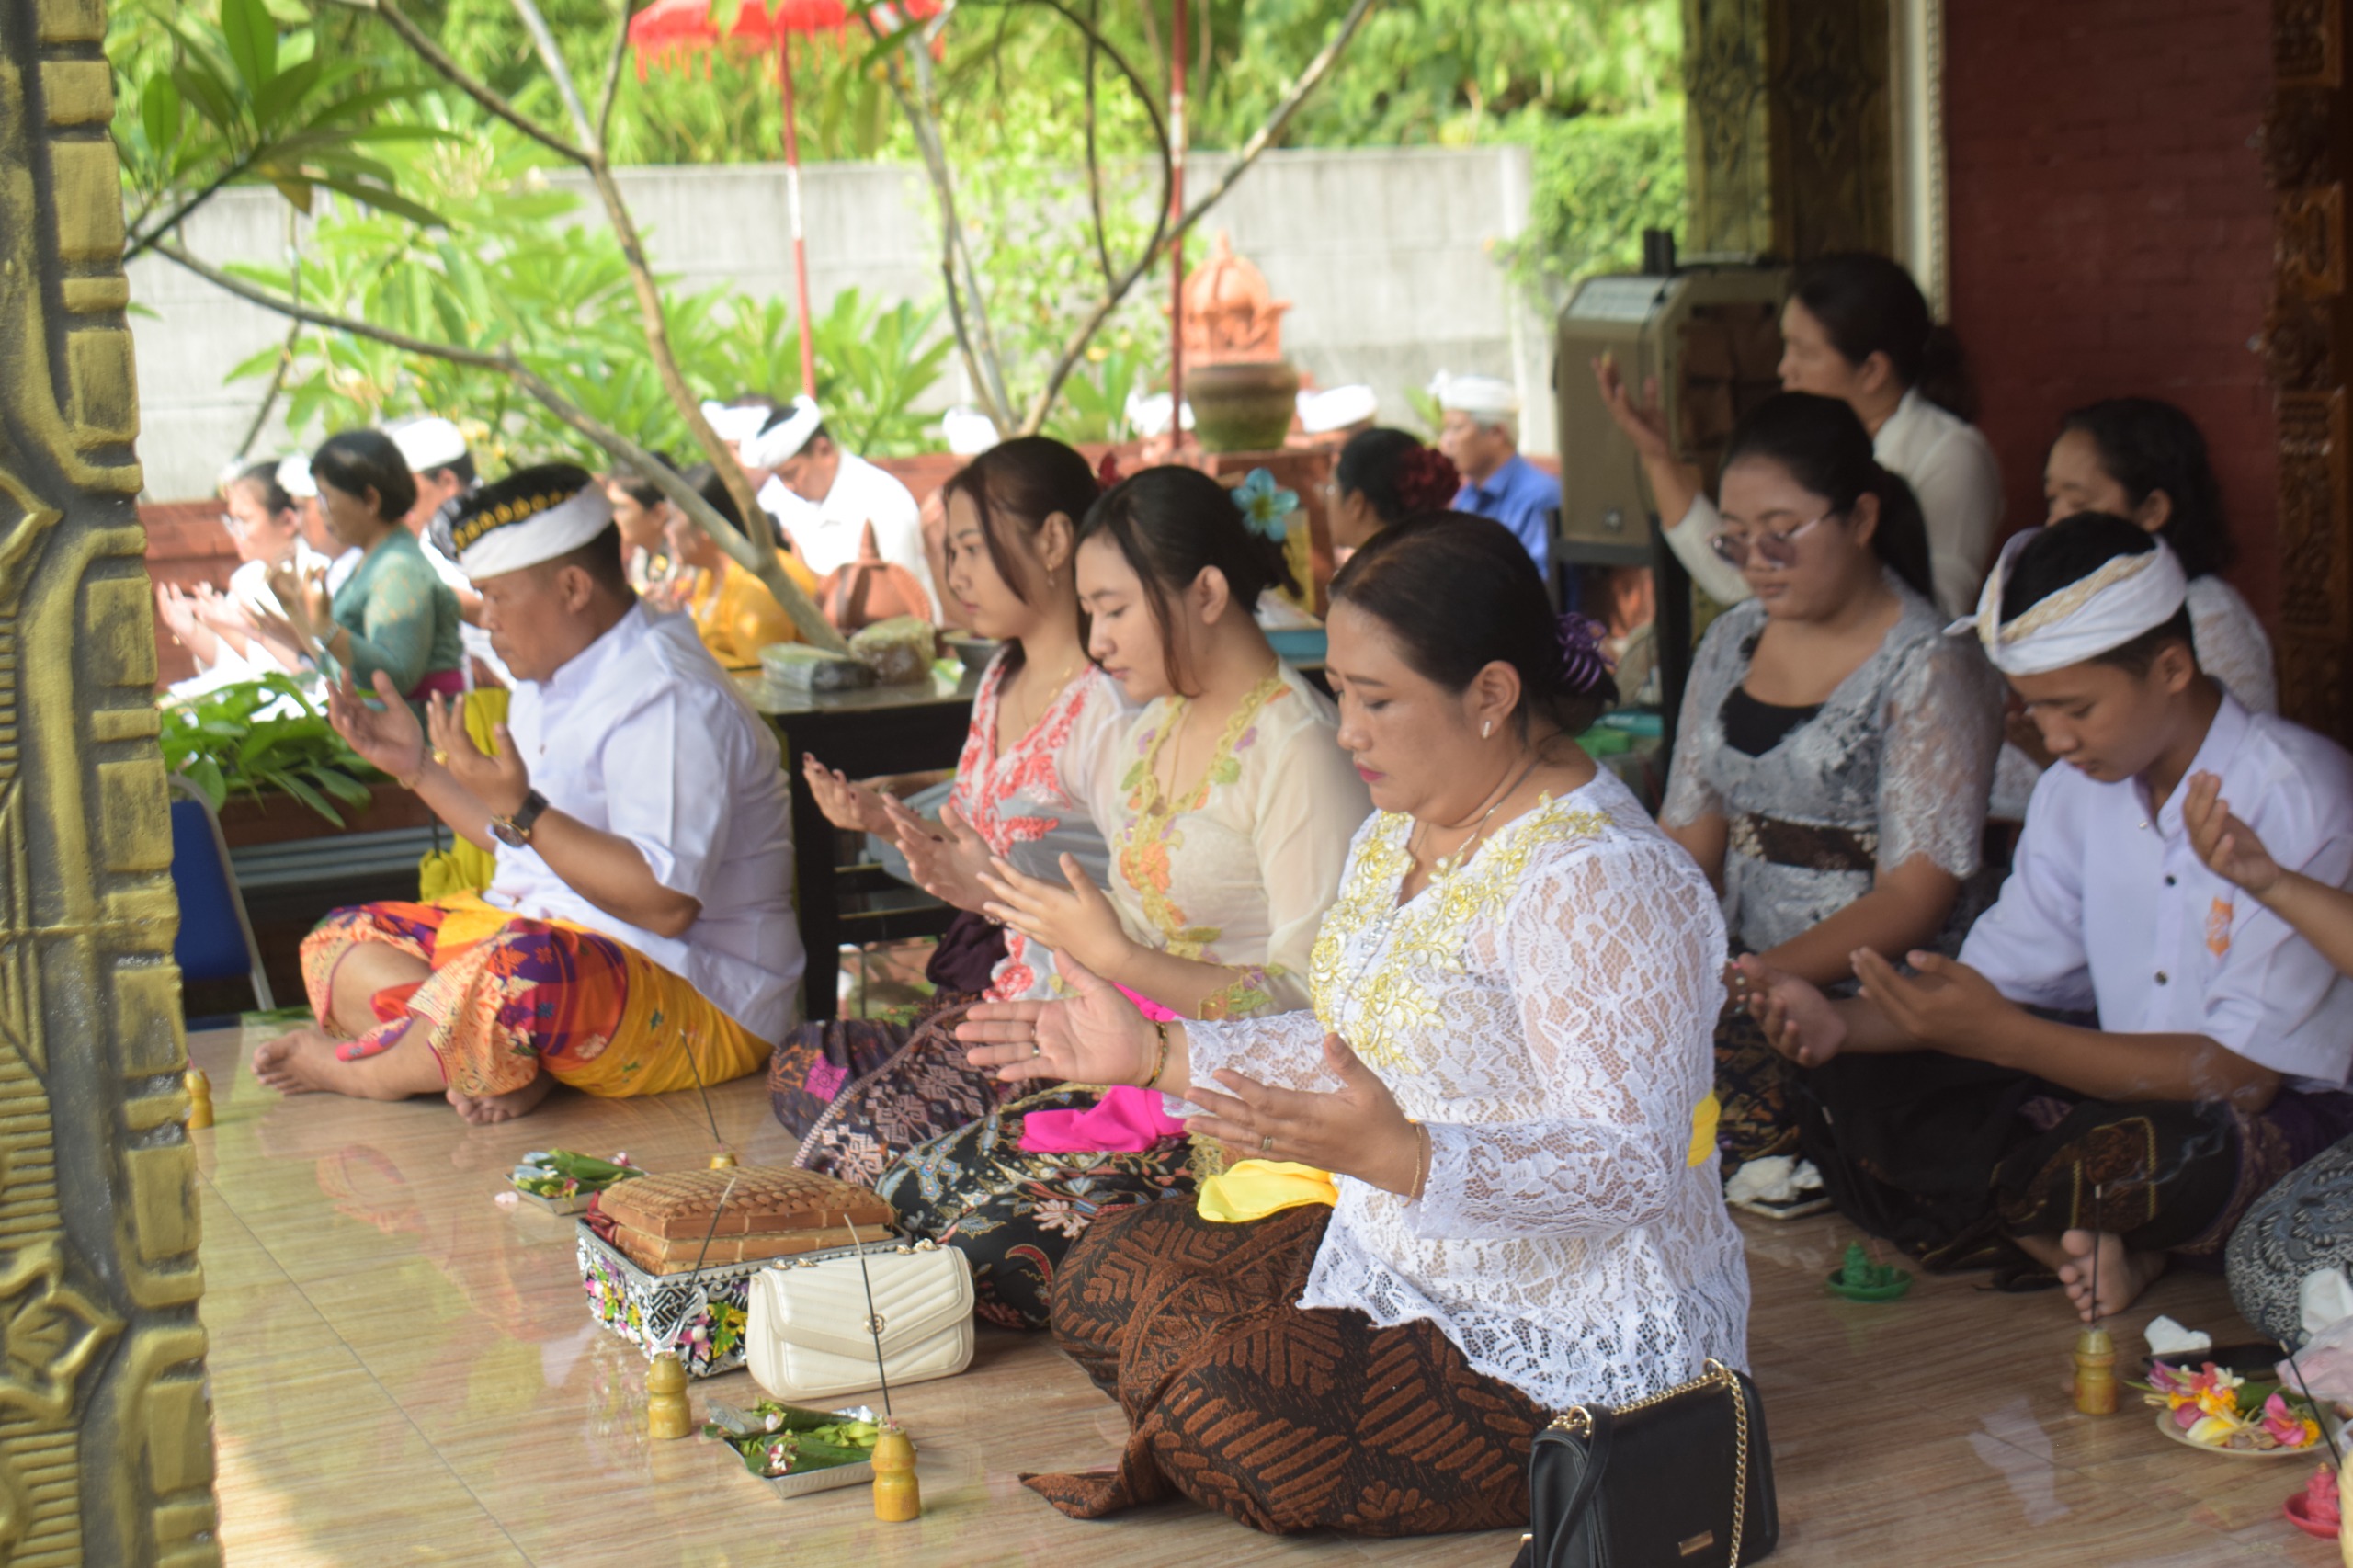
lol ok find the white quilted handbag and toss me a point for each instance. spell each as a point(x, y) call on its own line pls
point(812, 1336)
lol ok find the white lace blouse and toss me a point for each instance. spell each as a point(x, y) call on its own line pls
point(1547, 1012)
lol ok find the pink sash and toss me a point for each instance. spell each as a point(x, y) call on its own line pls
point(1125, 1122)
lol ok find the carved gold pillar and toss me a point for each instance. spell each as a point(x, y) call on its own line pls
point(105, 1437)
point(1787, 131)
point(2311, 352)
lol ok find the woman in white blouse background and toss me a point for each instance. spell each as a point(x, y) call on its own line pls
point(1506, 1067)
point(1856, 328)
point(2145, 460)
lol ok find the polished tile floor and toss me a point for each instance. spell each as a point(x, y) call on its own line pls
point(403, 1372)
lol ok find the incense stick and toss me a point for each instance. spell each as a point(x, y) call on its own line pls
point(709, 1115)
point(717, 1209)
point(2099, 1211)
point(873, 1321)
point(2320, 1418)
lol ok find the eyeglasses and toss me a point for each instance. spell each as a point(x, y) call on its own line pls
point(1774, 548)
point(233, 523)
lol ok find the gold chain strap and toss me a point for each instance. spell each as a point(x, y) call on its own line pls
point(1577, 1421)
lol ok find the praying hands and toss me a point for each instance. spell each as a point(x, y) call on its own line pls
point(948, 860)
point(847, 804)
point(497, 778)
point(387, 737)
point(1076, 920)
point(1355, 1130)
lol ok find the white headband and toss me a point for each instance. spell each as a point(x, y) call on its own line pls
point(781, 442)
point(2127, 597)
point(969, 431)
point(1481, 397)
point(733, 425)
point(428, 443)
point(1321, 412)
point(486, 547)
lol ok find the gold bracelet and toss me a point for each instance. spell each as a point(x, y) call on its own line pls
point(1160, 1058)
point(1421, 1162)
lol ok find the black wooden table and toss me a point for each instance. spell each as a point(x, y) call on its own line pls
point(880, 730)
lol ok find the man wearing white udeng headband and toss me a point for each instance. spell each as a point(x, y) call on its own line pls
point(1952, 1110)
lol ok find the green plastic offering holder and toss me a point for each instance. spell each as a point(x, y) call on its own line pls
point(1860, 1279)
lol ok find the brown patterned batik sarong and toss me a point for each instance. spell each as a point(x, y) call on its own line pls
point(1288, 1419)
point(861, 1092)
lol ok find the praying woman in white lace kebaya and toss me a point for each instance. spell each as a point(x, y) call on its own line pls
point(1506, 1068)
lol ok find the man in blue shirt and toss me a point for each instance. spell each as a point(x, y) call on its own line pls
point(1498, 483)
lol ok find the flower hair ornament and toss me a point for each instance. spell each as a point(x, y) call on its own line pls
point(1107, 472)
point(1584, 663)
point(1428, 479)
point(1263, 505)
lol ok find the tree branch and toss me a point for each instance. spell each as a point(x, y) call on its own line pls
point(1094, 157)
point(1280, 119)
point(612, 79)
point(625, 232)
point(179, 215)
point(759, 560)
point(1118, 289)
point(971, 332)
point(433, 54)
point(1075, 347)
point(551, 56)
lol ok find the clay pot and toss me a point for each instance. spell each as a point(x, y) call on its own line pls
point(1245, 407)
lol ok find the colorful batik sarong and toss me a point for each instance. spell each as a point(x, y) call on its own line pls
point(510, 997)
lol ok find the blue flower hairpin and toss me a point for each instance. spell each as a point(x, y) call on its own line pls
point(1266, 506)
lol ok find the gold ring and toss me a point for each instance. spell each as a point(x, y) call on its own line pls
point(1036, 1050)
point(440, 757)
point(1266, 1145)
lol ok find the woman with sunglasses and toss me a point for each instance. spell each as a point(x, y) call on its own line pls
point(1836, 749)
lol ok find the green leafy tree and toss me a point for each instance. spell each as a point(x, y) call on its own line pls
point(233, 54)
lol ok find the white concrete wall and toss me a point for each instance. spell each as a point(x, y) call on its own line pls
point(1384, 256)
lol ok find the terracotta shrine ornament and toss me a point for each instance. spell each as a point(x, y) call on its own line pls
point(1243, 392)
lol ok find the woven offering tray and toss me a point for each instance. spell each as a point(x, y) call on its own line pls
point(760, 1200)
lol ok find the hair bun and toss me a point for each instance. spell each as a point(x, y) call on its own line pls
point(1585, 665)
point(1428, 479)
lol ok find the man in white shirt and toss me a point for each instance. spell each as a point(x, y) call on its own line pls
point(437, 454)
point(2221, 1052)
point(637, 937)
point(826, 497)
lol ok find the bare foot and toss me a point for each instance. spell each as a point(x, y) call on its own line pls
point(305, 1062)
point(298, 1063)
point(2122, 1274)
point(483, 1110)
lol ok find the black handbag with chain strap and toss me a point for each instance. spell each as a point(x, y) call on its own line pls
point(1683, 1479)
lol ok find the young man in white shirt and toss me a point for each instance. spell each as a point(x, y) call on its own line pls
point(637, 937)
point(1951, 1107)
point(825, 497)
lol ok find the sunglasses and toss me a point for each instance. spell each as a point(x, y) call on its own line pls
point(1778, 549)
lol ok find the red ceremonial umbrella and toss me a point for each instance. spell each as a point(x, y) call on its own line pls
point(669, 31)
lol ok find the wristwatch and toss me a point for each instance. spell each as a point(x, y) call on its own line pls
point(515, 831)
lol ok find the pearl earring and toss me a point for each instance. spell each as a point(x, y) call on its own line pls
point(1486, 728)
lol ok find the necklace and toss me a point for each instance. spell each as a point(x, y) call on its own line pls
point(1045, 699)
point(1447, 866)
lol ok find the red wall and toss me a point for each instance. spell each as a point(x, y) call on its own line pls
point(2111, 232)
